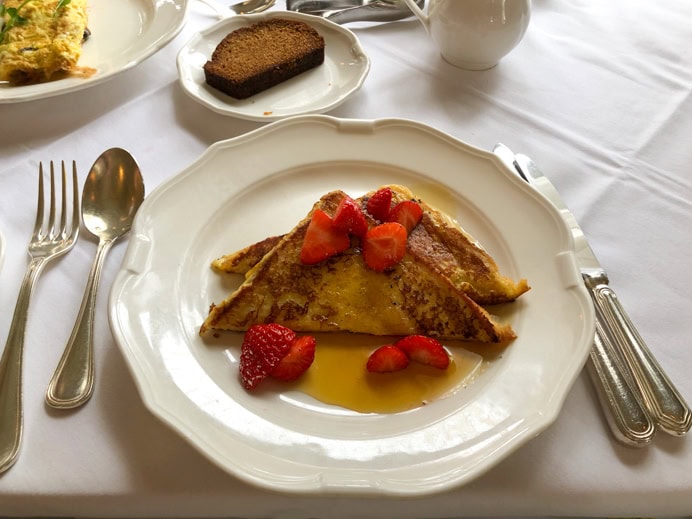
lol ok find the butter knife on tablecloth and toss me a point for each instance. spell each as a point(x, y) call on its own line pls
point(658, 394)
point(624, 411)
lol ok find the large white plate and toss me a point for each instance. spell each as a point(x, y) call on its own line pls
point(318, 90)
point(236, 193)
point(2, 249)
point(123, 34)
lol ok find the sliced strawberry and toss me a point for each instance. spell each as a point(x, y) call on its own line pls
point(384, 245)
point(264, 345)
point(380, 203)
point(322, 240)
point(425, 350)
point(349, 217)
point(408, 213)
point(298, 359)
point(386, 359)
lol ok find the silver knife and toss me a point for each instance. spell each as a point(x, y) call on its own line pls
point(347, 11)
point(617, 394)
point(660, 397)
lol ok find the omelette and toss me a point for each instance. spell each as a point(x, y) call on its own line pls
point(44, 40)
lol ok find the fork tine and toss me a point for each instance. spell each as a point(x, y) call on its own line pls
point(39, 207)
point(75, 203)
point(51, 215)
point(63, 207)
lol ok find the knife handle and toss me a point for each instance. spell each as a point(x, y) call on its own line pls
point(625, 414)
point(661, 398)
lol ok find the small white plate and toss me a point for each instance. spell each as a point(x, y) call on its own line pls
point(316, 91)
point(123, 34)
point(235, 194)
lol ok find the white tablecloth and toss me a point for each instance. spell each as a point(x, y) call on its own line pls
point(598, 93)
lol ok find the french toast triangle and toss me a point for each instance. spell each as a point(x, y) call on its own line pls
point(431, 291)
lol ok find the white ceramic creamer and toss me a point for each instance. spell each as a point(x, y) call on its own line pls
point(474, 34)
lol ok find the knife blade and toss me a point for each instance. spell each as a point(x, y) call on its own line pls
point(661, 399)
point(624, 411)
point(347, 11)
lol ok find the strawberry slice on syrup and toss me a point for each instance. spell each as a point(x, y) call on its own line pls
point(425, 350)
point(299, 358)
point(386, 359)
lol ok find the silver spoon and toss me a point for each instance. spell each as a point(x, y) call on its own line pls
point(244, 7)
point(251, 6)
point(113, 191)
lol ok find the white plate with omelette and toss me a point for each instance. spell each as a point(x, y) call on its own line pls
point(123, 34)
point(345, 67)
point(281, 438)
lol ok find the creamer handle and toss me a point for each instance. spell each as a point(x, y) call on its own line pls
point(425, 20)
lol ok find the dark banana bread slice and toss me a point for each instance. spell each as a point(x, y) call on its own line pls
point(254, 58)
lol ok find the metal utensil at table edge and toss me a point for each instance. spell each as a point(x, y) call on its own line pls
point(239, 8)
point(347, 11)
point(52, 237)
point(251, 6)
point(112, 193)
point(624, 411)
point(660, 397)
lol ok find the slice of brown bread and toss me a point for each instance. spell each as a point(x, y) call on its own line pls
point(254, 58)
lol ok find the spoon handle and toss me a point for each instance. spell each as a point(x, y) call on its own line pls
point(73, 380)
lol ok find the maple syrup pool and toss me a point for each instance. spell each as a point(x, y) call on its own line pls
point(338, 375)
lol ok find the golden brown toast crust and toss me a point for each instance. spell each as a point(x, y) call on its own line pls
point(436, 241)
point(452, 253)
point(342, 294)
point(240, 262)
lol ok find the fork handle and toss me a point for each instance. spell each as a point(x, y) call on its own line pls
point(73, 381)
point(661, 398)
point(11, 415)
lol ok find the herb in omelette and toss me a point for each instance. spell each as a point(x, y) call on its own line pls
point(61, 5)
point(14, 16)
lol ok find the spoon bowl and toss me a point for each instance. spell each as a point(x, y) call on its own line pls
point(113, 191)
point(243, 7)
point(251, 6)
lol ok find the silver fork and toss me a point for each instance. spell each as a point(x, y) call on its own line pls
point(49, 240)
